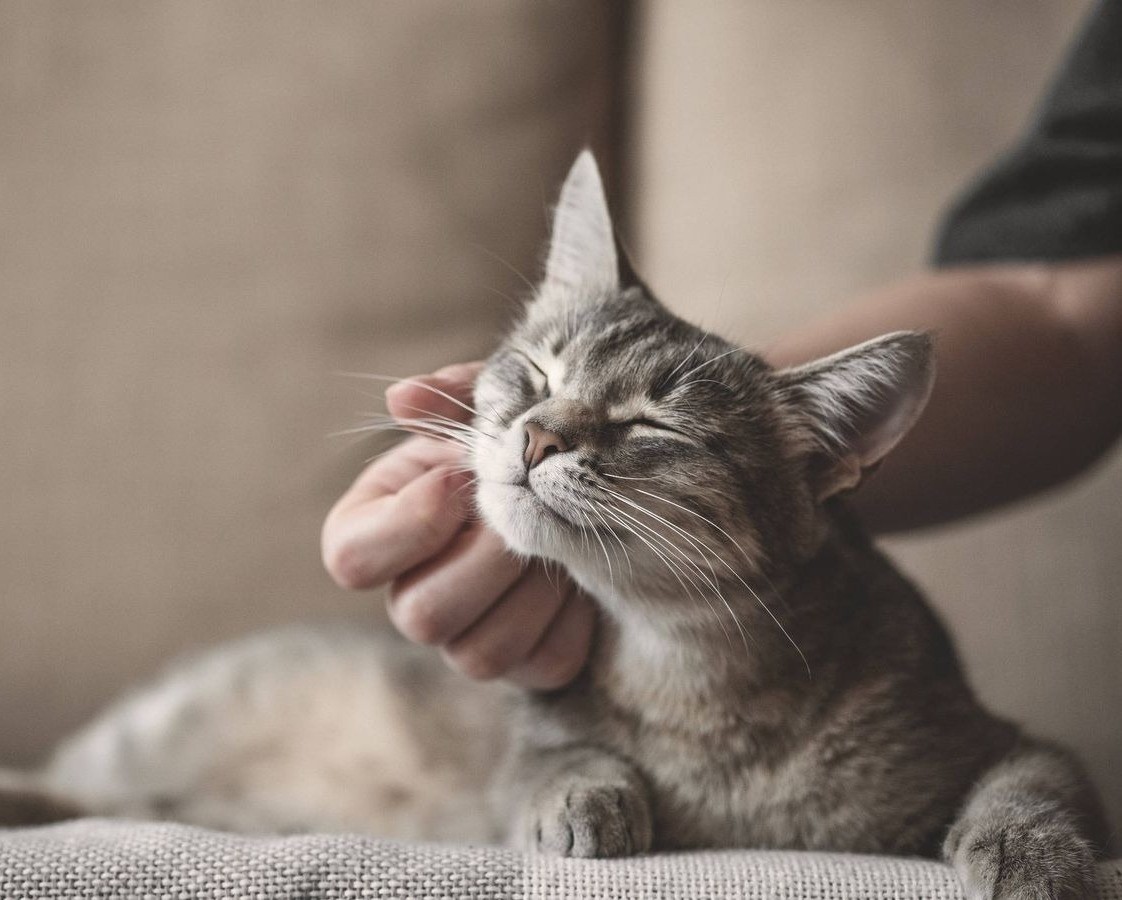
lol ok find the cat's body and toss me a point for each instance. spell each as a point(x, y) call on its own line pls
point(747, 749)
point(301, 729)
point(762, 676)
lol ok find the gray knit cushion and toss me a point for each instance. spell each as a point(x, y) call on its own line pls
point(96, 858)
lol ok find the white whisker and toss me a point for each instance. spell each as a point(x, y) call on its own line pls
point(677, 572)
point(623, 524)
point(711, 580)
point(607, 559)
point(434, 431)
point(423, 386)
point(617, 539)
point(697, 544)
point(710, 362)
point(733, 571)
point(451, 423)
point(708, 521)
point(682, 387)
point(635, 477)
point(504, 262)
point(686, 358)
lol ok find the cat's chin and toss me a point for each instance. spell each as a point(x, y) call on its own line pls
point(527, 524)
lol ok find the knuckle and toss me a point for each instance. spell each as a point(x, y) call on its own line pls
point(428, 513)
point(416, 614)
point(348, 564)
point(555, 665)
point(480, 663)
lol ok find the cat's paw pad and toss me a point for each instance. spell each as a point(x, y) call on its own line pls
point(1045, 859)
point(591, 820)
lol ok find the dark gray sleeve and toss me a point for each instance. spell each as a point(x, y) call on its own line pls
point(1058, 193)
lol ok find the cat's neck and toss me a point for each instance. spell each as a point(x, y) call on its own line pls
point(703, 671)
point(703, 678)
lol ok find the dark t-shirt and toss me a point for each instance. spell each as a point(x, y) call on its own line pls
point(1058, 193)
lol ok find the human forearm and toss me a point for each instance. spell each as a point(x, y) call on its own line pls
point(1028, 388)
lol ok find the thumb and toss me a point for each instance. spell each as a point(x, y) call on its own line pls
point(446, 392)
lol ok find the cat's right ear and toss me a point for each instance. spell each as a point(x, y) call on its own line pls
point(582, 249)
point(856, 405)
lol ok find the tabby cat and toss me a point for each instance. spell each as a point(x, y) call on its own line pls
point(762, 676)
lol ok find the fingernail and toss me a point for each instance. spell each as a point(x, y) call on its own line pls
point(450, 373)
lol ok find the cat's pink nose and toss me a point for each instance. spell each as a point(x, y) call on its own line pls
point(540, 443)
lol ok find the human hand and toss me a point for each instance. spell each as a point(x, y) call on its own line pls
point(407, 522)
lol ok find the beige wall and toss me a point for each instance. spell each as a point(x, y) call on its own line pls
point(206, 210)
point(792, 154)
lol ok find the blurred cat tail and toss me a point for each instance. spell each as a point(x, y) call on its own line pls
point(24, 801)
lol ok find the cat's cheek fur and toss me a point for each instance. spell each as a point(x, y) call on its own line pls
point(518, 518)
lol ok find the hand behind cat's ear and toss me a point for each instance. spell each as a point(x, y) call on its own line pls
point(859, 403)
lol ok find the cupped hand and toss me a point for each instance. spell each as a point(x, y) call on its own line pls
point(408, 522)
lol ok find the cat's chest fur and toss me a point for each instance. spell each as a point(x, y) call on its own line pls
point(718, 788)
point(719, 756)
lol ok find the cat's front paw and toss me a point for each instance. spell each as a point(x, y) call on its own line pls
point(1042, 859)
point(587, 819)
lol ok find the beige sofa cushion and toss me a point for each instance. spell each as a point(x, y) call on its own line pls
point(208, 209)
point(96, 858)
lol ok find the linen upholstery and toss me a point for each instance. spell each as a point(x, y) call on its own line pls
point(125, 860)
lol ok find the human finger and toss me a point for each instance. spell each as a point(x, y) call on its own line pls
point(446, 594)
point(446, 392)
point(564, 648)
point(397, 467)
point(375, 541)
point(505, 635)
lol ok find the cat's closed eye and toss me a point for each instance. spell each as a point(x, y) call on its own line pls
point(657, 425)
point(541, 381)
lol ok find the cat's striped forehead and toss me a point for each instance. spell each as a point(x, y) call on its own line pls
point(620, 355)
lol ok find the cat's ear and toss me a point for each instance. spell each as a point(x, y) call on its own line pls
point(859, 403)
point(582, 249)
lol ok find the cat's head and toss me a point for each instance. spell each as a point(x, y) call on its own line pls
point(653, 458)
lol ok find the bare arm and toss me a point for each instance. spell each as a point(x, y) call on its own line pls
point(1029, 390)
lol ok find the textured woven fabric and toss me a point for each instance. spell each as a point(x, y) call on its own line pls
point(105, 859)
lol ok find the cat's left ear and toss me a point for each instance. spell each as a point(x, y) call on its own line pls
point(582, 249)
point(859, 403)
